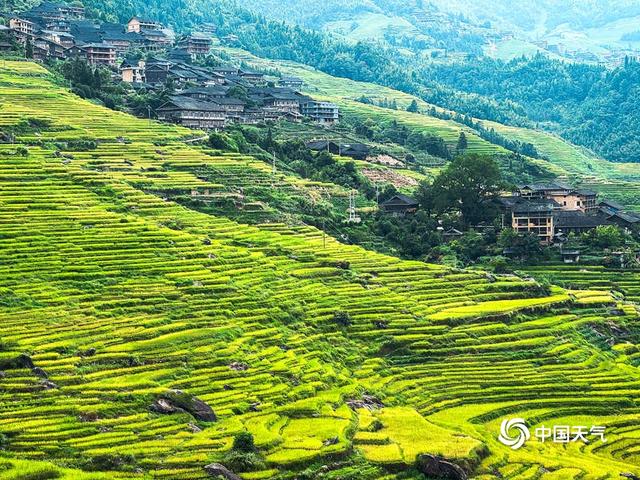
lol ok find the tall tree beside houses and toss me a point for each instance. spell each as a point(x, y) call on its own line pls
point(28, 49)
point(466, 186)
point(462, 143)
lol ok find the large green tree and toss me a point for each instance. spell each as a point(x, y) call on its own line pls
point(465, 186)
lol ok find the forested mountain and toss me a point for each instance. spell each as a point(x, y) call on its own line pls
point(521, 15)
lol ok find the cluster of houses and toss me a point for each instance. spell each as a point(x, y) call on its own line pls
point(205, 98)
point(59, 31)
point(550, 211)
point(212, 98)
point(554, 210)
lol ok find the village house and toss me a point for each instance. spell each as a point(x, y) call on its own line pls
point(324, 146)
point(133, 72)
point(293, 83)
point(628, 221)
point(253, 78)
point(115, 34)
point(570, 256)
point(156, 72)
point(58, 11)
point(566, 222)
point(567, 197)
point(45, 48)
point(154, 40)
point(357, 151)
point(609, 207)
point(95, 53)
point(233, 107)
point(22, 25)
point(138, 24)
point(205, 93)
point(195, 44)
point(324, 113)
point(6, 47)
point(226, 71)
point(399, 205)
point(529, 215)
point(62, 38)
point(284, 101)
point(193, 113)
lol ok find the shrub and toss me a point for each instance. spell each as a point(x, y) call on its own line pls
point(44, 474)
point(500, 264)
point(244, 456)
point(22, 152)
point(111, 462)
point(243, 461)
point(342, 318)
point(221, 141)
point(243, 442)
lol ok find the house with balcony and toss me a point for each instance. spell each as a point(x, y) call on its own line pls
point(192, 113)
point(324, 113)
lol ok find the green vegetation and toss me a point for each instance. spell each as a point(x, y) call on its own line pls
point(113, 294)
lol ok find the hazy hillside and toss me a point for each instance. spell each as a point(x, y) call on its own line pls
point(544, 15)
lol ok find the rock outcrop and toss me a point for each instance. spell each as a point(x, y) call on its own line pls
point(217, 469)
point(177, 401)
point(438, 467)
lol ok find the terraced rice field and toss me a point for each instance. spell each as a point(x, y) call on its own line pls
point(592, 277)
point(117, 294)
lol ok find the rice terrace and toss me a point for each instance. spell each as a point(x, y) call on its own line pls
point(188, 301)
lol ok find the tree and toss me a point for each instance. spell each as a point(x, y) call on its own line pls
point(28, 49)
point(413, 107)
point(462, 143)
point(606, 236)
point(522, 245)
point(243, 442)
point(466, 186)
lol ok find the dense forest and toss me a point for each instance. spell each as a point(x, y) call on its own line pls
point(588, 105)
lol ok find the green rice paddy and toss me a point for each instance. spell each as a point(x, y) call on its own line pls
point(117, 294)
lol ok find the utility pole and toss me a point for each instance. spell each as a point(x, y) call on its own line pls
point(149, 111)
point(324, 236)
point(352, 207)
point(273, 169)
point(377, 194)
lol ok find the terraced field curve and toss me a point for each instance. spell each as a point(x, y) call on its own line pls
point(111, 295)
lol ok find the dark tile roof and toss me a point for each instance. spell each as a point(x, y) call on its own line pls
point(626, 217)
point(520, 205)
point(542, 187)
point(227, 101)
point(213, 91)
point(565, 219)
point(321, 145)
point(611, 204)
point(143, 19)
point(400, 199)
point(355, 147)
point(186, 103)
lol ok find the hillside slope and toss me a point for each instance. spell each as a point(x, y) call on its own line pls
point(111, 295)
point(617, 181)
